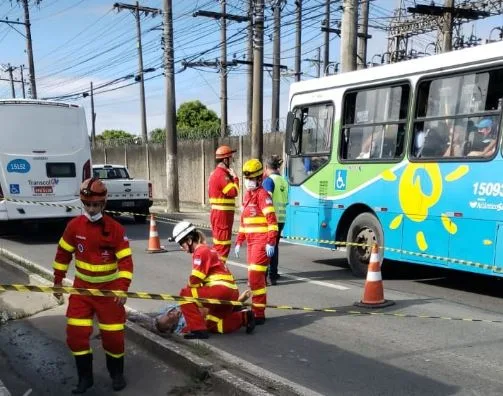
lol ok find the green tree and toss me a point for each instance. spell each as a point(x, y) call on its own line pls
point(158, 135)
point(115, 134)
point(195, 120)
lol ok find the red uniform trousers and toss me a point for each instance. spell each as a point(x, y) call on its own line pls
point(221, 230)
point(111, 320)
point(258, 263)
point(220, 317)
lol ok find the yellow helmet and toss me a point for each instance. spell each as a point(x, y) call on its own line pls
point(252, 168)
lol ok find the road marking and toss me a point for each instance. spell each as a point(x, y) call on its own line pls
point(298, 278)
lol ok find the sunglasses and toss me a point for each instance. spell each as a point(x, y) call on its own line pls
point(92, 204)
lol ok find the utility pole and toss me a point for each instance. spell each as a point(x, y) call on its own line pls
point(93, 118)
point(172, 195)
point(276, 64)
point(348, 35)
point(446, 31)
point(29, 49)
point(136, 9)
point(257, 137)
point(10, 69)
point(362, 41)
point(223, 63)
point(298, 38)
point(326, 53)
point(21, 68)
point(249, 88)
point(223, 72)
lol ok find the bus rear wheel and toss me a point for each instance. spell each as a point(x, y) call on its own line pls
point(365, 230)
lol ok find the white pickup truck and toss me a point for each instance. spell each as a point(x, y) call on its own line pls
point(125, 194)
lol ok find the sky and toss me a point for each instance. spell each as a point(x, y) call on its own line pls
point(76, 42)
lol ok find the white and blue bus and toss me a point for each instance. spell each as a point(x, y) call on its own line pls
point(44, 157)
point(405, 155)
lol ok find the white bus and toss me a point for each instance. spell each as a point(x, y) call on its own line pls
point(44, 156)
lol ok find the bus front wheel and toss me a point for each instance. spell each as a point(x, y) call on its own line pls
point(365, 230)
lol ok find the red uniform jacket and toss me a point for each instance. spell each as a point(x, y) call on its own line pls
point(258, 219)
point(208, 270)
point(102, 255)
point(222, 189)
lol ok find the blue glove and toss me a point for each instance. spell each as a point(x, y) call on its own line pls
point(236, 250)
point(269, 250)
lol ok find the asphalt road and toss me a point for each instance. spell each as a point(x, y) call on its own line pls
point(341, 354)
point(34, 359)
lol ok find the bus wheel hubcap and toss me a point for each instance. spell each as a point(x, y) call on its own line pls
point(366, 237)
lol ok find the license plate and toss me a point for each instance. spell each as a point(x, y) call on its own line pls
point(128, 204)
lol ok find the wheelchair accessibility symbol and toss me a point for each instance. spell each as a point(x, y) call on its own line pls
point(340, 179)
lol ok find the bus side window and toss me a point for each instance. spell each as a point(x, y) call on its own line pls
point(374, 123)
point(312, 149)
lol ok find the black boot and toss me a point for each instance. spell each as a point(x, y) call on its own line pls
point(248, 320)
point(85, 371)
point(115, 367)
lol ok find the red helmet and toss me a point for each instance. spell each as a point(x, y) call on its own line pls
point(93, 190)
point(224, 152)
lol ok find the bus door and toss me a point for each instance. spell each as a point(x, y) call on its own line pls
point(309, 136)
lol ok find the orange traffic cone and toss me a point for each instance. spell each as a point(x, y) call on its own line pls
point(154, 243)
point(373, 293)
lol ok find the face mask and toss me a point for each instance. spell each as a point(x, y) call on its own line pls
point(250, 184)
point(93, 218)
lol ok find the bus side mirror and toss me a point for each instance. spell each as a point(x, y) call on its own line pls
point(293, 127)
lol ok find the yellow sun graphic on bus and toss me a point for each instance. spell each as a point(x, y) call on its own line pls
point(415, 202)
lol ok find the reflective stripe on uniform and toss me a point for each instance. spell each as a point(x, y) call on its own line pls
point(219, 242)
point(231, 201)
point(229, 187)
point(79, 322)
point(96, 279)
point(259, 292)
point(111, 327)
point(252, 229)
point(60, 266)
point(225, 277)
point(257, 267)
point(198, 274)
point(254, 220)
point(218, 321)
point(125, 274)
point(268, 209)
point(221, 283)
point(95, 267)
point(123, 253)
point(66, 246)
point(115, 355)
point(80, 353)
point(272, 227)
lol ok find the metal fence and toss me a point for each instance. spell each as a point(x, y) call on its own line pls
point(239, 129)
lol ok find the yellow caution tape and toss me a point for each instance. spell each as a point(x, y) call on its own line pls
point(167, 220)
point(170, 297)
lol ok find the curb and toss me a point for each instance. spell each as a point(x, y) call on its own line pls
point(167, 350)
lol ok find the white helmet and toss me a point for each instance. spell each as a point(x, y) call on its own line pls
point(181, 230)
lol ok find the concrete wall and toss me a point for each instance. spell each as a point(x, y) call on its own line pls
point(195, 162)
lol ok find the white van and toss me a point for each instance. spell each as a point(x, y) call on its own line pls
point(44, 157)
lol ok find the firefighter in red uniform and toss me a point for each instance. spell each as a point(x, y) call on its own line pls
point(259, 228)
point(102, 261)
point(209, 278)
point(223, 188)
